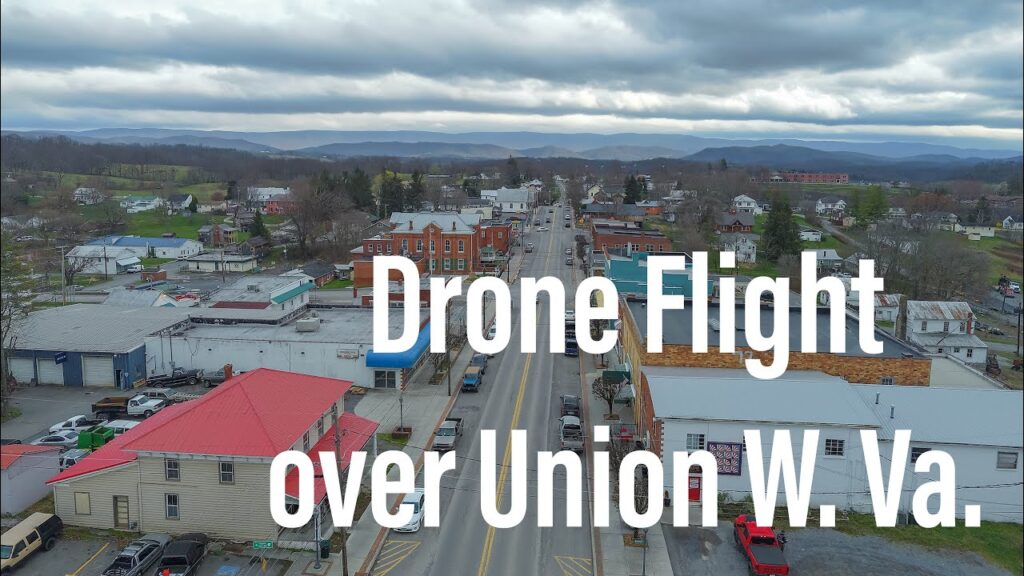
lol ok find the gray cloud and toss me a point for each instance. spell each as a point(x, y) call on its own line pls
point(952, 68)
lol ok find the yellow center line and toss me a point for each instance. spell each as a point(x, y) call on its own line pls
point(485, 555)
point(89, 561)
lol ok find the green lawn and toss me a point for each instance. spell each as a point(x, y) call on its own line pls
point(154, 224)
point(203, 192)
point(997, 542)
point(337, 284)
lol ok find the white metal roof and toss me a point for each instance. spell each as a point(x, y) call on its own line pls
point(948, 415)
point(733, 395)
point(93, 327)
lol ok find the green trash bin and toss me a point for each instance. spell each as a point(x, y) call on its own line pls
point(325, 549)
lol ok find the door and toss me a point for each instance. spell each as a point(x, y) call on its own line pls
point(23, 370)
point(49, 371)
point(120, 512)
point(693, 491)
point(98, 371)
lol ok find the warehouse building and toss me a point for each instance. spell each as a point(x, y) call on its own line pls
point(88, 344)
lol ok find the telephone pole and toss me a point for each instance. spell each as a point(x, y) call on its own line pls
point(342, 475)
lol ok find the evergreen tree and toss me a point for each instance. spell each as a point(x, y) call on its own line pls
point(415, 192)
point(512, 177)
point(876, 205)
point(633, 189)
point(781, 231)
point(257, 227)
point(469, 190)
point(360, 188)
point(392, 194)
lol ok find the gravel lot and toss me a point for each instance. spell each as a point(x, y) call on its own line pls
point(813, 551)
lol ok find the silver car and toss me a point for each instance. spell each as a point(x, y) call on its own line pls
point(139, 556)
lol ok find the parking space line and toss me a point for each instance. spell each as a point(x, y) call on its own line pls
point(392, 554)
point(89, 561)
point(574, 565)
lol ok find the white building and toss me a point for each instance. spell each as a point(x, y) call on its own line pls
point(24, 470)
point(101, 259)
point(87, 196)
point(220, 261)
point(810, 235)
point(945, 328)
point(827, 205)
point(511, 200)
point(136, 204)
point(335, 343)
point(709, 409)
point(744, 245)
point(744, 203)
point(261, 292)
point(151, 247)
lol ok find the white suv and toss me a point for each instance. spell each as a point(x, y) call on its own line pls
point(414, 499)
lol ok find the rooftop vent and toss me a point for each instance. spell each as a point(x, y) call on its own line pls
point(252, 287)
point(307, 324)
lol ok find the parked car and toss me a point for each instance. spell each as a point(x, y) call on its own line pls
point(182, 556)
point(9, 441)
point(480, 361)
point(136, 558)
point(570, 315)
point(177, 377)
point(138, 405)
point(168, 395)
point(77, 423)
point(572, 347)
point(414, 499)
point(37, 532)
point(568, 251)
point(472, 379)
point(761, 547)
point(529, 247)
point(570, 405)
point(64, 438)
point(447, 435)
point(1015, 286)
point(570, 433)
point(71, 457)
point(133, 269)
point(568, 224)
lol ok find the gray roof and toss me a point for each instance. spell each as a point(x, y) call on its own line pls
point(94, 328)
point(678, 329)
point(99, 252)
point(447, 222)
point(982, 417)
point(507, 194)
point(728, 218)
point(731, 237)
point(827, 254)
point(924, 310)
point(238, 291)
point(132, 298)
point(947, 340)
point(352, 326)
point(798, 397)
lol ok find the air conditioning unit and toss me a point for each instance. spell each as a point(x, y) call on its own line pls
point(307, 324)
point(253, 287)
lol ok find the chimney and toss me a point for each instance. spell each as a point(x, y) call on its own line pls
point(970, 322)
point(410, 224)
point(892, 412)
point(878, 396)
point(453, 225)
point(901, 319)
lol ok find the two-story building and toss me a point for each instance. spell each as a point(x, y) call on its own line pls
point(203, 465)
point(629, 239)
point(735, 222)
point(151, 247)
point(744, 245)
point(511, 200)
point(945, 328)
point(744, 203)
point(829, 204)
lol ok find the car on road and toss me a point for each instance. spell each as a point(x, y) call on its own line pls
point(761, 547)
point(529, 247)
point(472, 379)
point(570, 315)
point(414, 499)
point(547, 220)
point(447, 435)
point(568, 224)
point(568, 251)
point(542, 229)
point(37, 532)
point(480, 361)
point(568, 261)
point(183, 555)
point(570, 433)
point(9, 441)
point(570, 405)
point(136, 558)
point(64, 439)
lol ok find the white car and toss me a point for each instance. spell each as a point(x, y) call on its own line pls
point(570, 315)
point(64, 438)
point(415, 499)
point(542, 229)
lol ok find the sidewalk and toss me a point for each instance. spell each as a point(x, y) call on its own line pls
point(618, 559)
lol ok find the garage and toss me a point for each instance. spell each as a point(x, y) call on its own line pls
point(50, 372)
point(23, 370)
point(98, 371)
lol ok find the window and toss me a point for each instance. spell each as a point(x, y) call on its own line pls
point(887, 381)
point(694, 442)
point(835, 447)
point(447, 245)
point(461, 264)
point(388, 248)
point(419, 245)
point(501, 235)
point(462, 245)
point(1007, 460)
point(956, 350)
point(83, 504)
point(171, 509)
point(963, 326)
point(227, 472)
point(380, 248)
point(319, 427)
point(172, 469)
point(945, 326)
point(405, 245)
point(305, 441)
point(924, 325)
point(384, 379)
point(369, 248)
point(432, 247)
point(650, 248)
point(447, 263)
point(916, 452)
point(941, 350)
point(970, 352)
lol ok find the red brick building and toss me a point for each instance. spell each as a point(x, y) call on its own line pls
point(635, 239)
point(816, 177)
point(735, 222)
point(441, 243)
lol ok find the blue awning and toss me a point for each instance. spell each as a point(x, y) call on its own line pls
point(405, 359)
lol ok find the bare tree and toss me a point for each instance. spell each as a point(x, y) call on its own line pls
point(312, 205)
point(607, 388)
point(14, 305)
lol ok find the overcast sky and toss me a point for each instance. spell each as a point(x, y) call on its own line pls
point(944, 71)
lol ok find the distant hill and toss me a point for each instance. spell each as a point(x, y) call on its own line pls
point(411, 150)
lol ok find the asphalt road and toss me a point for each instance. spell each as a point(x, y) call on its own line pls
point(520, 391)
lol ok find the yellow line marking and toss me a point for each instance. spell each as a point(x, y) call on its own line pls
point(393, 553)
point(574, 565)
point(89, 561)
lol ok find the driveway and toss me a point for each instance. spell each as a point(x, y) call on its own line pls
point(80, 557)
point(814, 551)
point(44, 406)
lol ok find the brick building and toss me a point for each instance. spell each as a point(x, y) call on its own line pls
point(815, 177)
point(631, 239)
point(735, 222)
point(442, 243)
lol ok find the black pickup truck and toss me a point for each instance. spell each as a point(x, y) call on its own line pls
point(177, 377)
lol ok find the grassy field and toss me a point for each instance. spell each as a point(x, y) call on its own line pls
point(153, 223)
point(337, 284)
point(1000, 543)
point(1005, 255)
point(203, 192)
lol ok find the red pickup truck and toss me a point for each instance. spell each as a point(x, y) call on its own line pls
point(761, 546)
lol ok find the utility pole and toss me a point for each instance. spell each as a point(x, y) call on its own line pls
point(63, 288)
point(447, 348)
point(342, 475)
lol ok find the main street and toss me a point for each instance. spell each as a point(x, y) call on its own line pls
point(520, 391)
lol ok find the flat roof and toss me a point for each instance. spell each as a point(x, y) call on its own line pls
point(352, 326)
point(948, 415)
point(94, 327)
point(733, 395)
point(677, 327)
point(238, 291)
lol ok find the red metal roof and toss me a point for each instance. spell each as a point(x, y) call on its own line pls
point(10, 453)
point(355, 432)
point(260, 413)
point(241, 304)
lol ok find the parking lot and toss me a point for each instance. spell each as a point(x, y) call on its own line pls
point(813, 551)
